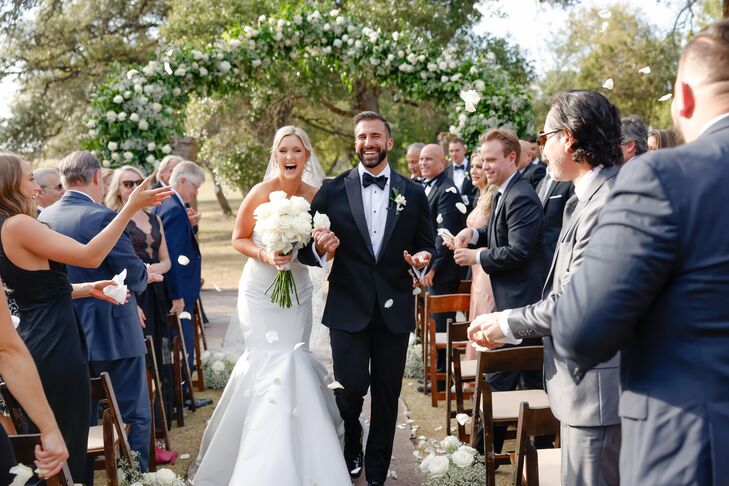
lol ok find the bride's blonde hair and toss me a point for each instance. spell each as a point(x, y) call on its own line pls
point(313, 173)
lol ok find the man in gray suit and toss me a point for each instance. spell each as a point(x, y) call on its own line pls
point(581, 139)
point(654, 285)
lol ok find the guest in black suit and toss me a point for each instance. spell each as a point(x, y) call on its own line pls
point(531, 169)
point(444, 274)
point(460, 172)
point(413, 159)
point(553, 196)
point(510, 246)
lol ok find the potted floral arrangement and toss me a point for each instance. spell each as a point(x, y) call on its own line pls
point(217, 368)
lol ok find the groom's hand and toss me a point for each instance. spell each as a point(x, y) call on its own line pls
point(419, 260)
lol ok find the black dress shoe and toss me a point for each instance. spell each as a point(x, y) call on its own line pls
point(375, 483)
point(355, 465)
point(199, 402)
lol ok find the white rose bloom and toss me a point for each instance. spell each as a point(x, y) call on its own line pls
point(197, 55)
point(450, 443)
point(337, 43)
point(424, 74)
point(444, 79)
point(91, 124)
point(412, 58)
point(326, 50)
point(224, 66)
point(122, 116)
point(471, 99)
point(426, 462)
point(327, 27)
point(110, 116)
point(203, 71)
point(256, 63)
point(395, 36)
point(456, 77)
point(479, 85)
point(462, 458)
point(438, 466)
point(321, 220)
point(443, 65)
point(156, 107)
point(143, 125)
point(358, 44)
point(115, 156)
point(166, 477)
point(405, 67)
point(151, 146)
point(334, 13)
point(128, 155)
point(298, 20)
point(138, 88)
point(127, 94)
point(166, 149)
point(219, 366)
point(374, 61)
point(176, 92)
point(92, 133)
point(134, 117)
point(150, 159)
point(118, 99)
point(112, 146)
point(432, 67)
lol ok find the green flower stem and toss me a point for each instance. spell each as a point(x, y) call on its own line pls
point(281, 289)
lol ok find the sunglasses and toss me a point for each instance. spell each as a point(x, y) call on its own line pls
point(542, 136)
point(57, 187)
point(131, 184)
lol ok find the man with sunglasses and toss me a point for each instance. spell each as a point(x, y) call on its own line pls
point(49, 180)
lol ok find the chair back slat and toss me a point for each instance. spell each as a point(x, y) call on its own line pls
point(464, 287)
point(448, 303)
point(458, 331)
point(103, 391)
point(533, 422)
point(24, 448)
point(511, 359)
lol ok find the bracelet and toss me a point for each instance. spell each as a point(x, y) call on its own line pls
point(259, 254)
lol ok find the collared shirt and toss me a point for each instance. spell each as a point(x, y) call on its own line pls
point(546, 185)
point(83, 194)
point(583, 183)
point(460, 175)
point(179, 198)
point(374, 201)
point(502, 188)
point(428, 185)
point(713, 122)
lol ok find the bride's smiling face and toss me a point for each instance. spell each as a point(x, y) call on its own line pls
point(291, 156)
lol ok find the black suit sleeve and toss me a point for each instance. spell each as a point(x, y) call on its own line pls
point(453, 220)
point(524, 221)
point(425, 233)
point(630, 257)
point(320, 203)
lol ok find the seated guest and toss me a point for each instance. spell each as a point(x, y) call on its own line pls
point(21, 376)
point(412, 156)
point(113, 332)
point(183, 279)
point(148, 239)
point(661, 139)
point(634, 139)
point(33, 261)
point(49, 180)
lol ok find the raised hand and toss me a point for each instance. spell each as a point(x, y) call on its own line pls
point(141, 198)
point(420, 260)
point(96, 290)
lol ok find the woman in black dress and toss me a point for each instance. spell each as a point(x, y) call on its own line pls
point(32, 265)
point(148, 238)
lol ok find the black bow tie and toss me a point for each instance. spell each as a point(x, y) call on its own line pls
point(428, 183)
point(369, 179)
point(459, 167)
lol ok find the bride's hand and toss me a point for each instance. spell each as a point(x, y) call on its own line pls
point(279, 261)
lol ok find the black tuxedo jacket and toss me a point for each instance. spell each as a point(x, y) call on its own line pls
point(467, 189)
point(513, 238)
point(442, 200)
point(361, 280)
point(534, 173)
point(553, 204)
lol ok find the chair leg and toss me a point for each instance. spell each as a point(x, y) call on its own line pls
point(177, 378)
point(199, 334)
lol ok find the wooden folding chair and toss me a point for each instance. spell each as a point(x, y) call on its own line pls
point(439, 340)
point(458, 372)
point(199, 336)
point(502, 407)
point(105, 439)
point(156, 405)
point(24, 448)
point(536, 466)
point(180, 370)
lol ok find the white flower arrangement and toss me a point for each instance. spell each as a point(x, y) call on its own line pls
point(450, 463)
point(130, 475)
point(217, 368)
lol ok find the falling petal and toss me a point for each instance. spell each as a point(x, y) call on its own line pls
point(389, 303)
point(440, 427)
point(248, 392)
point(605, 14)
point(665, 97)
point(183, 260)
point(645, 70)
point(604, 26)
point(272, 400)
point(184, 456)
point(298, 345)
point(461, 207)
point(452, 189)
point(185, 315)
point(462, 418)
point(608, 84)
point(401, 426)
point(168, 69)
point(335, 385)
point(356, 470)
point(277, 381)
point(417, 291)
point(271, 337)
point(217, 288)
point(478, 348)
point(295, 412)
point(410, 421)
point(392, 474)
point(439, 219)
point(471, 99)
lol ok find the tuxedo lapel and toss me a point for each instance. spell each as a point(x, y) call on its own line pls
point(353, 187)
point(499, 209)
point(397, 182)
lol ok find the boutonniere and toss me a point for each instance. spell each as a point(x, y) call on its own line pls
point(398, 201)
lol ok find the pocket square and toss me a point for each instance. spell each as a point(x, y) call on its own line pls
point(555, 197)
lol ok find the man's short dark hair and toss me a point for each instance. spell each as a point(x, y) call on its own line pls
point(633, 129)
point(78, 168)
point(594, 123)
point(532, 138)
point(456, 140)
point(371, 115)
point(709, 51)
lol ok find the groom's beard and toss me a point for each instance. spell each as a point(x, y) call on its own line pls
point(381, 155)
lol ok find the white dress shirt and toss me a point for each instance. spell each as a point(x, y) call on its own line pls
point(374, 201)
point(460, 175)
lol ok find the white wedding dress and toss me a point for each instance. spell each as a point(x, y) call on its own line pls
point(277, 422)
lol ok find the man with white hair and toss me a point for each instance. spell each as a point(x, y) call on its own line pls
point(49, 180)
point(183, 278)
point(164, 172)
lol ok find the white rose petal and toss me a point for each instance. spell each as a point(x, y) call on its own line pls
point(388, 303)
point(355, 471)
point(392, 474)
point(22, 474)
point(298, 345)
point(438, 466)
point(461, 207)
point(605, 14)
point(183, 260)
point(645, 70)
point(168, 68)
point(471, 99)
point(217, 288)
point(462, 418)
point(335, 385)
point(462, 458)
point(439, 219)
point(166, 477)
point(665, 97)
point(417, 291)
point(185, 315)
point(452, 189)
point(608, 84)
point(271, 337)
point(295, 412)
point(604, 26)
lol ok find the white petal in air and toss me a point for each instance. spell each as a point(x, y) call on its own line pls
point(461, 207)
point(295, 412)
point(298, 345)
point(392, 474)
point(605, 14)
point(645, 70)
point(185, 315)
point(452, 189)
point(665, 97)
point(183, 260)
point(388, 303)
point(335, 385)
point(271, 337)
point(356, 470)
point(462, 418)
point(417, 291)
point(277, 381)
point(168, 69)
point(217, 288)
point(604, 26)
point(608, 84)
point(439, 219)
point(440, 427)
point(471, 99)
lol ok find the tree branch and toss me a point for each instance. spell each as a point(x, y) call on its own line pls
point(316, 124)
point(336, 110)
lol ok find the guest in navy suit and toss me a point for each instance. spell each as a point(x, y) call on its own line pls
point(113, 332)
point(183, 279)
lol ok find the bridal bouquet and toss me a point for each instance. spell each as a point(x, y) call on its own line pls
point(451, 463)
point(285, 225)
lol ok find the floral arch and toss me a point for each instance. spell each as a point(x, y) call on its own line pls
point(137, 111)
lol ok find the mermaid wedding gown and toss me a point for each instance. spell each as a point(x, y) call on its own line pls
point(277, 422)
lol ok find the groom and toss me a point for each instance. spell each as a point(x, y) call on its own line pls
point(369, 309)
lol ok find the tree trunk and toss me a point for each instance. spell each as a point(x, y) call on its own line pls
point(367, 98)
point(219, 194)
point(725, 9)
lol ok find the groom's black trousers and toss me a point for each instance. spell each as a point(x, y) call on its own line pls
point(375, 358)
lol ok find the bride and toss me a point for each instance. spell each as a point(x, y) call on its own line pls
point(277, 422)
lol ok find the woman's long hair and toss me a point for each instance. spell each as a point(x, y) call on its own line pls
point(12, 201)
point(113, 199)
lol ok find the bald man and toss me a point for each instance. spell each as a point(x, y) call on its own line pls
point(444, 199)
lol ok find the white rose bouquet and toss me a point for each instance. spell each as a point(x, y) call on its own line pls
point(450, 463)
point(285, 225)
